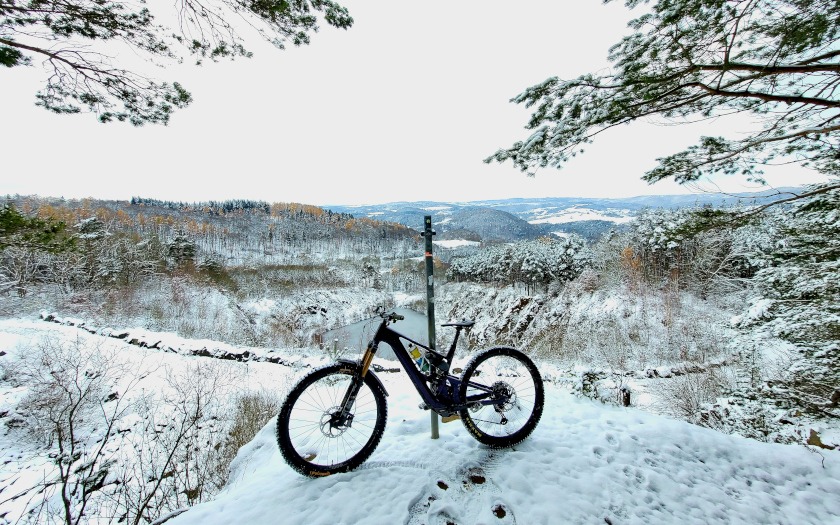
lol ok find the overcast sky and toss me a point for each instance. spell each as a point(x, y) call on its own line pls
point(402, 107)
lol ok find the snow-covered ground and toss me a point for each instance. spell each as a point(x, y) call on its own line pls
point(585, 463)
point(141, 386)
point(455, 243)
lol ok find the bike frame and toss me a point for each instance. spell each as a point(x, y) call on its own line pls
point(445, 399)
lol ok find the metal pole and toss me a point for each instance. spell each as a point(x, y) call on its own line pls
point(430, 300)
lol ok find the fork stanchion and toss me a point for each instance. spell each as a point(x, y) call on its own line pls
point(430, 300)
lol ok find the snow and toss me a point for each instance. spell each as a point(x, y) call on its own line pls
point(586, 462)
point(26, 463)
point(759, 309)
point(262, 306)
point(455, 243)
point(403, 299)
point(579, 213)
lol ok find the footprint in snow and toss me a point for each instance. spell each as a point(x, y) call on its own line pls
point(469, 496)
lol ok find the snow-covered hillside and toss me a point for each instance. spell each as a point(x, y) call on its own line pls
point(586, 462)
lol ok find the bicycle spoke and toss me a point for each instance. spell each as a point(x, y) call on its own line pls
point(502, 378)
point(312, 430)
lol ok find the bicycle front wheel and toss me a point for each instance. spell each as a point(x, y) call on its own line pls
point(311, 438)
point(510, 378)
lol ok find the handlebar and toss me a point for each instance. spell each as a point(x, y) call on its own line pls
point(389, 316)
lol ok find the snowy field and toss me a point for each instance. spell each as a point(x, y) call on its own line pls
point(455, 243)
point(579, 213)
point(585, 463)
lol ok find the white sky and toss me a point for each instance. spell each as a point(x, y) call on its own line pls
point(402, 107)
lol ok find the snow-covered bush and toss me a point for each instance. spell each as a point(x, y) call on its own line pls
point(686, 395)
point(176, 457)
point(74, 401)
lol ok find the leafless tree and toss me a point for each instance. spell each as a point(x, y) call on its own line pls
point(77, 395)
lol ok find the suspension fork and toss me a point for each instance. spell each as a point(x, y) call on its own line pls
point(367, 358)
point(356, 384)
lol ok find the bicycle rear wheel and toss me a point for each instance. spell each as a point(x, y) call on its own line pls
point(310, 440)
point(513, 379)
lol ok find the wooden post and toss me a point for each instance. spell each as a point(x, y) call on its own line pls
point(430, 300)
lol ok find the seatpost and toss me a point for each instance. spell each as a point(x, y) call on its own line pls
point(451, 353)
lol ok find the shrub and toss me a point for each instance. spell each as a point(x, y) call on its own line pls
point(251, 413)
point(685, 396)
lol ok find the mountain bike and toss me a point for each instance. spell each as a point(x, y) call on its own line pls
point(334, 417)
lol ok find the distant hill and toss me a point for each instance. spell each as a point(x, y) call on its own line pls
point(234, 232)
point(246, 229)
point(513, 219)
point(493, 224)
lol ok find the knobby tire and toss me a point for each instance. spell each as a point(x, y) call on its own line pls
point(512, 370)
point(307, 444)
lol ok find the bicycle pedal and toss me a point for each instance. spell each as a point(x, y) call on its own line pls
point(423, 406)
point(449, 419)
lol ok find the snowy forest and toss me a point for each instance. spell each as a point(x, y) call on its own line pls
point(725, 318)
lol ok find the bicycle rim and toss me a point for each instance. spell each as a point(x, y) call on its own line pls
point(503, 372)
point(312, 436)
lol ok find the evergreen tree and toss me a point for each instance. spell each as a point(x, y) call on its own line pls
point(182, 249)
point(799, 296)
point(68, 35)
point(529, 262)
point(777, 60)
point(27, 244)
point(799, 283)
point(32, 233)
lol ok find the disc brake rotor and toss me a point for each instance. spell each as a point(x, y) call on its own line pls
point(330, 425)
